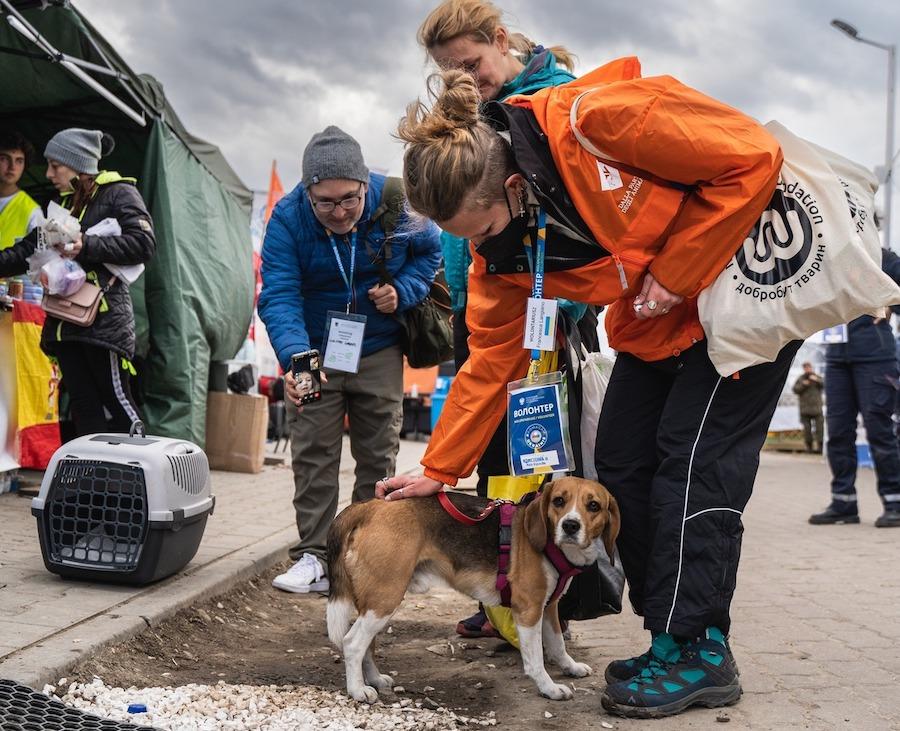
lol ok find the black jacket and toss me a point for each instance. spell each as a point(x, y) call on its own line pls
point(869, 340)
point(531, 152)
point(114, 327)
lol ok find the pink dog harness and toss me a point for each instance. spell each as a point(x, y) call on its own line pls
point(564, 569)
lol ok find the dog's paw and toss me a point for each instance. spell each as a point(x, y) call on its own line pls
point(381, 681)
point(557, 692)
point(364, 694)
point(577, 669)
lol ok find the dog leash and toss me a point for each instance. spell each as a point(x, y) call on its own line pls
point(455, 513)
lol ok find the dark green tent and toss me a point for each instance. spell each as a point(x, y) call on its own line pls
point(194, 302)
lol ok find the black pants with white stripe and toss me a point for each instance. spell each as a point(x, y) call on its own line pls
point(678, 446)
point(98, 387)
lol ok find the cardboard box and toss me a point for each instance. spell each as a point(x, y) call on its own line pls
point(236, 431)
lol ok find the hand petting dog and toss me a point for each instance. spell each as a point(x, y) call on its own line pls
point(397, 488)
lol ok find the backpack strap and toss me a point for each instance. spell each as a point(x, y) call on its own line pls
point(379, 259)
point(609, 159)
point(390, 207)
point(388, 212)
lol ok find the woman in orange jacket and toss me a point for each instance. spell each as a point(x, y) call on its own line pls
point(647, 188)
point(469, 34)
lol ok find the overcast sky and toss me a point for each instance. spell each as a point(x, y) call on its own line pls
point(259, 78)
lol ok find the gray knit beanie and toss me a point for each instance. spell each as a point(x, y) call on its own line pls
point(332, 154)
point(79, 149)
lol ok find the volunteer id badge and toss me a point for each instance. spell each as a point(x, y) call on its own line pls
point(540, 324)
point(537, 419)
point(343, 341)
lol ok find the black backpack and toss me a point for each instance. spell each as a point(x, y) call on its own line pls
point(428, 337)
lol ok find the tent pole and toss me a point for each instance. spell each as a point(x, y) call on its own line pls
point(124, 81)
point(24, 28)
point(104, 92)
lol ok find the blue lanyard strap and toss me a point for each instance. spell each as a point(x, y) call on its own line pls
point(347, 280)
point(537, 268)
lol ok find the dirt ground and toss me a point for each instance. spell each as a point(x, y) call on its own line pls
point(258, 635)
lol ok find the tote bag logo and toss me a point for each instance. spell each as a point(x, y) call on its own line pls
point(779, 244)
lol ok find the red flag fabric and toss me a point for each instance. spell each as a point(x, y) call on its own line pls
point(276, 191)
point(257, 276)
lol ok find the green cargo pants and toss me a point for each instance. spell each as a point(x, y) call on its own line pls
point(373, 401)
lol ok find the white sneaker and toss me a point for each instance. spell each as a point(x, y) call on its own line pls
point(303, 577)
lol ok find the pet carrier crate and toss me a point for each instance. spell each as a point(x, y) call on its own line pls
point(123, 508)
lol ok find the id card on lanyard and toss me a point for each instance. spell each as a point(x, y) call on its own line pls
point(537, 413)
point(344, 330)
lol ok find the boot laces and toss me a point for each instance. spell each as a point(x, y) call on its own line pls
point(654, 669)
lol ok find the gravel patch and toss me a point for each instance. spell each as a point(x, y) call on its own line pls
point(196, 707)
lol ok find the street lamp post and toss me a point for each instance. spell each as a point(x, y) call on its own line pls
point(889, 152)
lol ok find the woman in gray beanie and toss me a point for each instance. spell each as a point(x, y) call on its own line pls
point(95, 360)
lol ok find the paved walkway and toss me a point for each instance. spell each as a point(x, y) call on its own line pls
point(816, 630)
point(816, 616)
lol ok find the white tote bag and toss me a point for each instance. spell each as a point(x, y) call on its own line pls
point(812, 261)
point(595, 370)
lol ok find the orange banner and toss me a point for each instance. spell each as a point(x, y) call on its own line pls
point(276, 191)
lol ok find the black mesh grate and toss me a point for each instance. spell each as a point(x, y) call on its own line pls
point(24, 709)
point(189, 471)
point(96, 514)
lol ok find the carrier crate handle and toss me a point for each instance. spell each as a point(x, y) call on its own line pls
point(137, 426)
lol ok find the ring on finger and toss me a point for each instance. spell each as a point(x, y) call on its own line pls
point(651, 305)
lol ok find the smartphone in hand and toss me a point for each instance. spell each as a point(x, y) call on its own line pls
point(305, 367)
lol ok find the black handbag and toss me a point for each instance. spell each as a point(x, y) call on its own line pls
point(596, 591)
point(428, 333)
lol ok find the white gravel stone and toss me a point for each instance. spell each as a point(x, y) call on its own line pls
point(273, 708)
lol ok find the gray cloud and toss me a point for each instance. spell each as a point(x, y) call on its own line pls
point(259, 79)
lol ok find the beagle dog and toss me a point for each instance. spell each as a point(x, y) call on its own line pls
point(377, 551)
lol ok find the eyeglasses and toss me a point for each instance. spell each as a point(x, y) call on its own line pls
point(348, 203)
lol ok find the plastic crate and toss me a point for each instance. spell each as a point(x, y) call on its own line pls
point(124, 509)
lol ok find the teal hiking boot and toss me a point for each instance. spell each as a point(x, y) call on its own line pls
point(702, 672)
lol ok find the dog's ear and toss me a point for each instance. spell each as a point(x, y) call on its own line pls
point(611, 529)
point(535, 522)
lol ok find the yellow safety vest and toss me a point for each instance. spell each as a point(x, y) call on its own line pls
point(14, 218)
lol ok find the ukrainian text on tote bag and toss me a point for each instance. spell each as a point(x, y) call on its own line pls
point(813, 260)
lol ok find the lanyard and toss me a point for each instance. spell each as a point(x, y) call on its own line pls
point(536, 263)
point(347, 280)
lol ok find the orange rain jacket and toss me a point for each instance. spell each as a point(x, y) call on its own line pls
point(653, 125)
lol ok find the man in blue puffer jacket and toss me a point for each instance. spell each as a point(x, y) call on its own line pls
point(318, 259)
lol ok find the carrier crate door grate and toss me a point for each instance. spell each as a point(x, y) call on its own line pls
point(97, 514)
